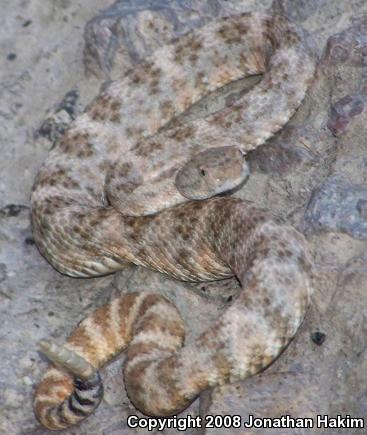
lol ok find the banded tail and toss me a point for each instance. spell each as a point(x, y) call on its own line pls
point(149, 322)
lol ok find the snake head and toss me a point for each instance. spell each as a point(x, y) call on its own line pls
point(212, 172)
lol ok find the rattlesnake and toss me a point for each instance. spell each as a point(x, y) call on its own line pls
point(128, 155)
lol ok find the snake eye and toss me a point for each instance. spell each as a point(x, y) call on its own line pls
point(202, 172)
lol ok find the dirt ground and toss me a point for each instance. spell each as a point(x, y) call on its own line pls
point(314, 174)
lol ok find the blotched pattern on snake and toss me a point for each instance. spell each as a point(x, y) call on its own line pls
point(120, 186)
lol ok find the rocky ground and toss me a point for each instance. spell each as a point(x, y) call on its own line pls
point(53, 58)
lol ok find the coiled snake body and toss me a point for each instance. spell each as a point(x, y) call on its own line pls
point(116, 189)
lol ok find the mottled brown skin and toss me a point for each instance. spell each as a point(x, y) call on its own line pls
point(91, 181)
point(231, 238)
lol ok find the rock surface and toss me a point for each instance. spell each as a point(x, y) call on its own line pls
point(323, 371)
point(338, 206)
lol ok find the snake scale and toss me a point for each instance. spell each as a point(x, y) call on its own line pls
point(122, 185)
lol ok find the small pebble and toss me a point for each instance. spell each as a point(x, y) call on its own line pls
point(318, 337)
